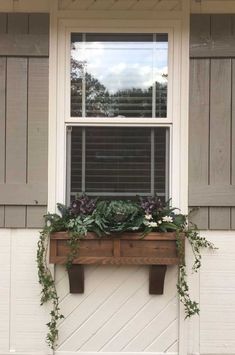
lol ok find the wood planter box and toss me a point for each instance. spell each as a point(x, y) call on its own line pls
point(156, 249)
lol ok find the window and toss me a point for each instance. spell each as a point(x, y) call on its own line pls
point(117, 81)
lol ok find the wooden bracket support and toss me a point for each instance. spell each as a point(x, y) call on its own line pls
point(156, 279)
point(76, 278)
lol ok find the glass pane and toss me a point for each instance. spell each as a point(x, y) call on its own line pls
point(118, 161)
point(114, 75)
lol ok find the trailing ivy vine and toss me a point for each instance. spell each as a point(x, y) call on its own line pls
point(106, 217)
point(48, 293)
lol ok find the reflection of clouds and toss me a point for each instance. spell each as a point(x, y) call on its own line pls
point(119, 69)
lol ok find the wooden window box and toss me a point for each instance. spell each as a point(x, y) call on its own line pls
point(156, 249)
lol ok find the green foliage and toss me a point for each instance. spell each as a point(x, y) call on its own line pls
point(109, 217)
point(118, 216)
point(48, 293)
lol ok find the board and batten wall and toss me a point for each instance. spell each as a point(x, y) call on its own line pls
point(24, 46)
point(212, 176)
point(212, 121)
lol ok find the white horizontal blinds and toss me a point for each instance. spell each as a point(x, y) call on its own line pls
point(161, 161)
point(76, 159)
point(118, 161)
point(119, 75)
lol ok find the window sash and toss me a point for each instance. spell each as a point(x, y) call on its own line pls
point(152, 145)
point(66, 96)
point(154, 101)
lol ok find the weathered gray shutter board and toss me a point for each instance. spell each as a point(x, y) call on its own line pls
point(212, 36)
point(211, 128)
point(23, 119)
point(24, 35)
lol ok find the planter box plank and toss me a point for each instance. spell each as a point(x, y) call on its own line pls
point(156, 249)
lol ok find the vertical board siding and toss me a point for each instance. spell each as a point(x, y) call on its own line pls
point(220, 134)
point(2, 122)
point(2, 117)
point(17, 23)
point(37, 119)
point(22, 320)
point(23, 119)
point(3, 23)
point(220, 121)
point(5, 268)
point(16, 134)
point(38, 24)
point(199, 103)
point(16, 120)
point(211, 128)
point(217, 296)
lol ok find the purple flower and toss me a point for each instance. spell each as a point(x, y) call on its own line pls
point(151, 204)
point(82, 206)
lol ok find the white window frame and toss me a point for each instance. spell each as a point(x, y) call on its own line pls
point(114, 120)
point(172, 121)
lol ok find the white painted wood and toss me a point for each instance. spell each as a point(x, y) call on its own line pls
point(183, 151)
point(217, 297)
point(109, 306)
point(22, 320)
point(5, 288)
point(52, 109)
point(73, 325)
point(129, 322)
point(115, 315)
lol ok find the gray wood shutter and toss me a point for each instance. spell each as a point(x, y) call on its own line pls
point(23, 119)
point(212, 121)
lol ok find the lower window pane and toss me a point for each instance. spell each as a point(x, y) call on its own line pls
point(118, 161)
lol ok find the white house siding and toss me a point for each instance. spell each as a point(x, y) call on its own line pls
point(22, 320)
point(217, 296)
point(115, 315)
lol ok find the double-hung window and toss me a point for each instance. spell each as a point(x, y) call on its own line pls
point(118, 135)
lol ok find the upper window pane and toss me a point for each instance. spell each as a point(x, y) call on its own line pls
point(119, 75)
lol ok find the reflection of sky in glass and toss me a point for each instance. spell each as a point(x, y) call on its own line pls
point(123, 65)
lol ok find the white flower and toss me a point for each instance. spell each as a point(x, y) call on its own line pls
point(167, 219)
point(152, 224)
point(135, 228)
point(159, 222)
point(148, 217)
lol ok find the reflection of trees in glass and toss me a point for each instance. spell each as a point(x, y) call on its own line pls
point(99, 102)
point(97, 96)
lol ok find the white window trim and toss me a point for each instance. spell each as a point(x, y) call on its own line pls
point(173, 121)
